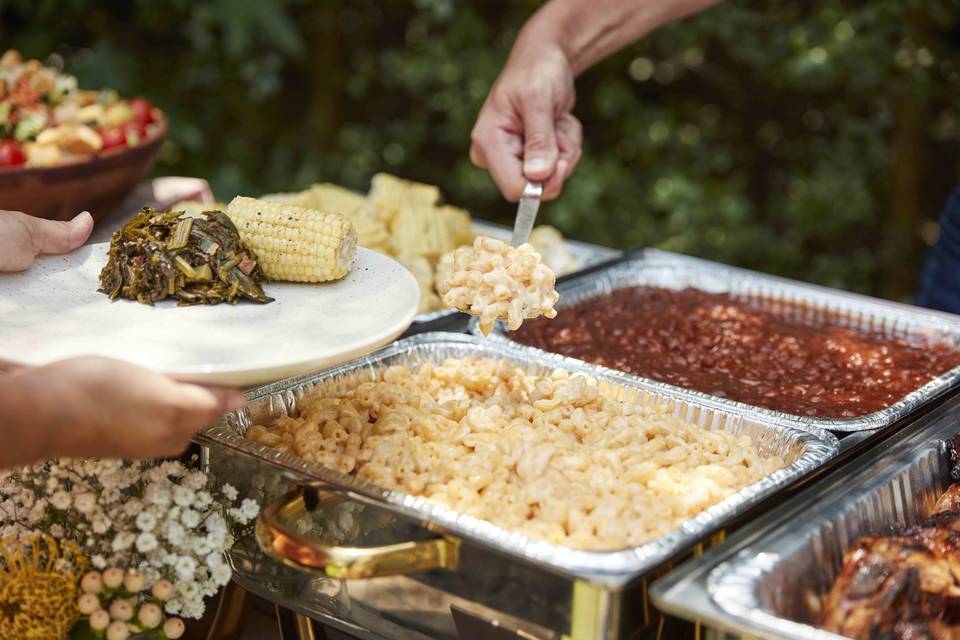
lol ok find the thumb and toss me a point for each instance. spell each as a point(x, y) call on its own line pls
point(53, 236)
point(539, 140)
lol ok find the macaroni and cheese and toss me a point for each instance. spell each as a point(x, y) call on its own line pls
point(548, 456)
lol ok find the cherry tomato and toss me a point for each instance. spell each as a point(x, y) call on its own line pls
point(142, 110)
point(11, 155)
point(112, 137)
point(134, 131)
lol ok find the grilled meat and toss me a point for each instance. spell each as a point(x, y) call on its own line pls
point(904, 586)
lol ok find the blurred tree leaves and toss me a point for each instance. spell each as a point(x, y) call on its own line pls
point(786, 137)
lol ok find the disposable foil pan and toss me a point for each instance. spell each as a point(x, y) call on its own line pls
point(587, 255)
point(656, 268)
point(537, 570)
point(766, 580)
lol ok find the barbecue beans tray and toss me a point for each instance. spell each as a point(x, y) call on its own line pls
point(651, 267)
point(500, 573)
point(764, 580)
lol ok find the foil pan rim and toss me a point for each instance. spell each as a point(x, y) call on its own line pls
point(618, 566)
point(606, 279)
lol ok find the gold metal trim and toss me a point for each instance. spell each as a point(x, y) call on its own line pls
point(278, 540)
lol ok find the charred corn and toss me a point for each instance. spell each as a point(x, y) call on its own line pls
point(293, 243)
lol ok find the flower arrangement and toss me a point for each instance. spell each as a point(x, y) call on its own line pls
point(138, 524)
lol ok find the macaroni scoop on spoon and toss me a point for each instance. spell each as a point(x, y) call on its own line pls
point(495, 281)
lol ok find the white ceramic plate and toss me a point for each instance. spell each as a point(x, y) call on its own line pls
point(54, 311)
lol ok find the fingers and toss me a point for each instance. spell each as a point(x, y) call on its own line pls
point(499, 150)
point(569, 150)
point(202, 406)
point(539, 136)
point(52, 236)
point(569, 142)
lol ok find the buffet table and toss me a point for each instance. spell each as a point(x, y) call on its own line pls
point(504, 585)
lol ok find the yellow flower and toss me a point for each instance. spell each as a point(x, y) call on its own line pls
point(38, 588)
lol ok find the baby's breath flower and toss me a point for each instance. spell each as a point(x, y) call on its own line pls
point(101, 525)
point(190, 518)
point(132, 507)
point(60, 500)
point(123, 541)
point(146, 542)
point(185, 568)
point(201, 546)
point(221, 575)
point(183, 496)
point(157, 494)
point(174, 533)
point(85, 502)
point(203, 500)
point(229, 492)
point(146, 521)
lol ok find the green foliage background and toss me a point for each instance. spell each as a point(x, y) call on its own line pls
point(813, 139)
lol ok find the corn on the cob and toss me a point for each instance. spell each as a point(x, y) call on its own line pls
point(293, 243)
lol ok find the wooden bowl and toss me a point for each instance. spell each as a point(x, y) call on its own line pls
point(97, 184)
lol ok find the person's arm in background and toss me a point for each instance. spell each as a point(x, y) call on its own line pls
point(526, 127)
point(91, 406)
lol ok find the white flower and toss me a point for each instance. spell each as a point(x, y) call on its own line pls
point(185, 567)
point(146, 542)
point(216, 524)
point(214, 560)
point(195, 480)
point(193, 609)
point(85, 502)
point(99, 561)
point(201, 546)
point(173, 469)
point(146, 521)
point(174, 533)
point(216, 539)
point(173, 606)
point(123, 540)
point(101, 525)
point(229, 491)
point(190, 518)
point(57, 531)
point(157, 494)
point(183, 496)
point(247, 511)
point(203, 500)
point(60, 500)
point(132, 507)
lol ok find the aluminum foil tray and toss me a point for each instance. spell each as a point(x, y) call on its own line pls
point(803, 451)
point(656, 268)
point(766, 580)
point(587, 255)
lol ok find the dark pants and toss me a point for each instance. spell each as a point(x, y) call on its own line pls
point(940, 280)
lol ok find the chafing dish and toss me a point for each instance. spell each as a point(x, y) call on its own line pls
point(397, 565)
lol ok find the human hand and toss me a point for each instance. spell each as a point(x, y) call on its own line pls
point(525, 128)
point(96, 407)
point(23, 237)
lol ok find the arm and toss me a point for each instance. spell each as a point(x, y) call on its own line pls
point(88, 407)
point(588, 32)
point(525, 127)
